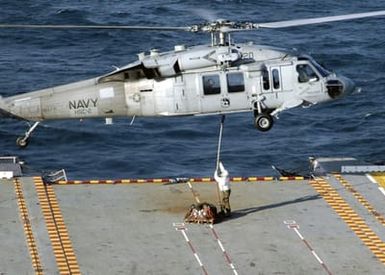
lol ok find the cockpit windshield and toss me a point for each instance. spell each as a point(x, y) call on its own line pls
point(323, 72)
point(320, 69)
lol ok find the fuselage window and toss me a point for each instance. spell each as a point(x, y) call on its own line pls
point(265, 80)
point(306, 73)
point(276, 83)
point(235, 83)
point(211, 85)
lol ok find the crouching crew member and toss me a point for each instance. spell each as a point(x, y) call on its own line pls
point(221, 176)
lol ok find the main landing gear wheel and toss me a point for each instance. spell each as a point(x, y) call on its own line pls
point(22, 142)
point(263, 122)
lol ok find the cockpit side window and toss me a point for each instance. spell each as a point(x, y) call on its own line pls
point(306, 73)
point(235, 83)
point(211, 85)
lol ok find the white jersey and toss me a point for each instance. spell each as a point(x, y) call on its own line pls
point(223, 181)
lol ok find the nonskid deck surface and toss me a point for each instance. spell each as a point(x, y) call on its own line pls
point(330, 225)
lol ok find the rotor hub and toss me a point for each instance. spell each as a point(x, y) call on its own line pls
point(222, 26)
point(220, 30)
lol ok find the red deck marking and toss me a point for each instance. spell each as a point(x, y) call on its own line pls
point(291, 224)
point(183, 230)
point(171, 180)
point(225, 254)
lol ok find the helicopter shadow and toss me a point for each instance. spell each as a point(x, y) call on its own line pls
point(246, 211)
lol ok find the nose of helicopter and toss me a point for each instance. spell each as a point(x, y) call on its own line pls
point(340, 87)
point(349, 85)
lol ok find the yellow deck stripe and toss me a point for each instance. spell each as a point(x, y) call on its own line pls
point(158, 180)
point(30, 239)
point(380, 178)
point(361, 199)
point(351, 218)
point(57, 231)
point(291, 178)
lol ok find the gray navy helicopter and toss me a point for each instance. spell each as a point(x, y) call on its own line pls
point(219, 78)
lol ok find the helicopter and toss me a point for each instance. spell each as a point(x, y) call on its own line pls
point(222, 77)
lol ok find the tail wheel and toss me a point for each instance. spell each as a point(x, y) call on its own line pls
point(22, 142)
point(263, 122)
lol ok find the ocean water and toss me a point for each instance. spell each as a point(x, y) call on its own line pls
point(186, 147)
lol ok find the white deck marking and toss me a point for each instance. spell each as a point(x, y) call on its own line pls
point(291, 224)
point(181, 227)
point(225, 254)
point(382, 190)
point(373, 180)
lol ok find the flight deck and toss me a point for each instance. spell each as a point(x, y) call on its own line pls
point(329, 225)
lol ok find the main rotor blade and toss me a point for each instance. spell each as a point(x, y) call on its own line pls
point(318, 20)
point(148, 28)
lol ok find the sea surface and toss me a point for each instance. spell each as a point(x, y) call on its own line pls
point(186, 147)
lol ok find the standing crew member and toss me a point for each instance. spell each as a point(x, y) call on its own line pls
point(315, 167)
point(221, 176)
